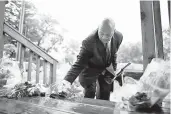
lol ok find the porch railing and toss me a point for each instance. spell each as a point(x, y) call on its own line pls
point(35, 51)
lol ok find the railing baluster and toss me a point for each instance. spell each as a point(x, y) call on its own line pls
point(30, 65)
point(51, 77)
point(54, 71)
point(51, 74)
point(22, 56)
point(7, 29)
point(22, 59)
point(37, 68)
point(44, 71)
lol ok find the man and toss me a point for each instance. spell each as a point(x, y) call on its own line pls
point(98, 51)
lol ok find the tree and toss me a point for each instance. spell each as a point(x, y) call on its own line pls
point(12, 13)
point(130, 53)
point(166, 43)
point(13, 10)
point(133, 52)
point(37, 27)
point(72, 47)
point(12, 17)
point(10, 50)
point(41, 29)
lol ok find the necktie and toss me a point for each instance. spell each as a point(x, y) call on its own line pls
point(107, 51)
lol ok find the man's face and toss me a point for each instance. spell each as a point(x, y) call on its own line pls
point(105, 33)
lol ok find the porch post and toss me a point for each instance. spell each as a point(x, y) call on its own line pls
point(2, 13)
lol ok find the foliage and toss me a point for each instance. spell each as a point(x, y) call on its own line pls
point(41, 28)
point(166, 43)
point(71, 49)
point(25, 89)
point(130, 53)
point(10, 50)
point(133, 52)
point(36, 27)
point(12, 13)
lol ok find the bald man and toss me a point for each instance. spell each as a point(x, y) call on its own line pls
point(98, 51)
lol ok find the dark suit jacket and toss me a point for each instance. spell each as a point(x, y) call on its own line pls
point(91, 60)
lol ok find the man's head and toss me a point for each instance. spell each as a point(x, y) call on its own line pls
point(106, 30)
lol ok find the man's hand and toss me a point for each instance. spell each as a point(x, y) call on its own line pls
point(114, 73)
point(64, 86)
point(108, 77)
point(118, 77)
point(62, 90)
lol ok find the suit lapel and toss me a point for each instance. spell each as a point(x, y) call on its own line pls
point(101, 49)
point(113, 48)
point(114, 45)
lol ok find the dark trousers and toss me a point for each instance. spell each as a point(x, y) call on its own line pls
point(100, 89)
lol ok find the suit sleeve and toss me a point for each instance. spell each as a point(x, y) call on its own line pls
point(114, 62)
point(82, 60)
